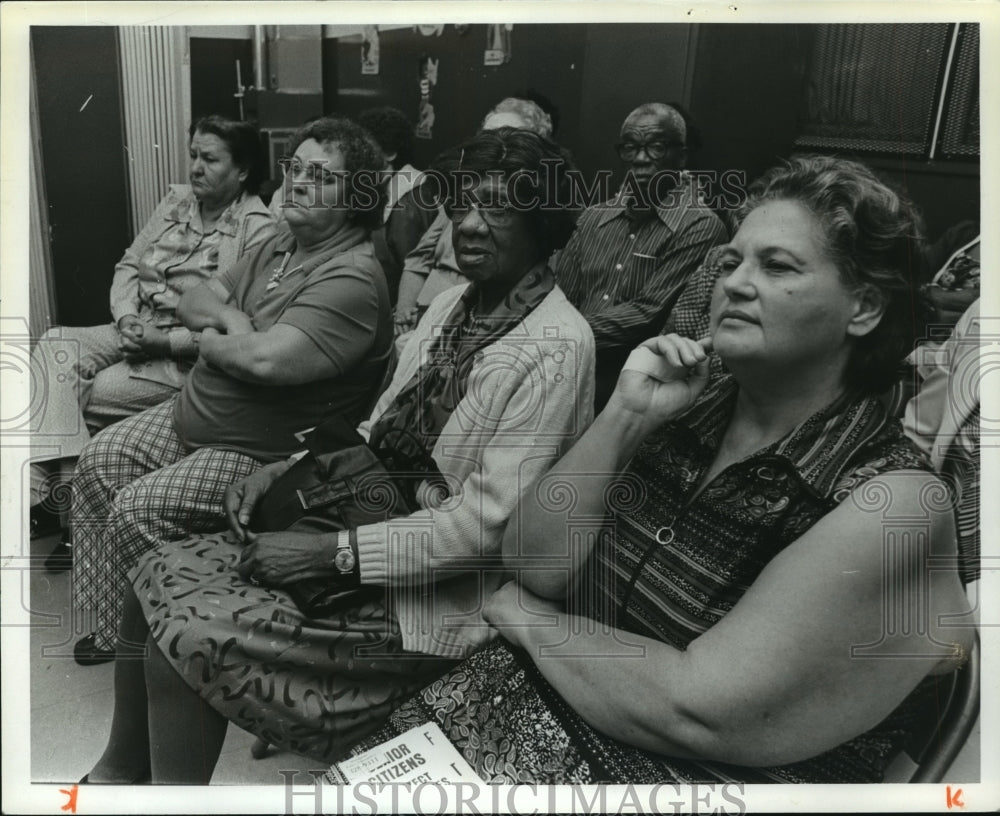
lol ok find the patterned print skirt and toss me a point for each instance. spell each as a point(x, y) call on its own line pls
point(512, 727)
point(313, 687)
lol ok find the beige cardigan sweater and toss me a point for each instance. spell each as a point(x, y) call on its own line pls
point(529, 397)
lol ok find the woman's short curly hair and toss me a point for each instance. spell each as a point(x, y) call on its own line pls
point(535, 170)
point(243, 141)
point(392, 130)
point(874, 236)
point(364, 164)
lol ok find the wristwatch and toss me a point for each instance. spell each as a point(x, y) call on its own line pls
point(344, 559)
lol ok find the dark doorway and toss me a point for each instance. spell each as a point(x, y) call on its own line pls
point(213, 75)
point(79, 108)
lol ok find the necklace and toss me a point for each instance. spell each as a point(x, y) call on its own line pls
point(279, 272)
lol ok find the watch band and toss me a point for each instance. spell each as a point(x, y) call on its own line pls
point(345, 558)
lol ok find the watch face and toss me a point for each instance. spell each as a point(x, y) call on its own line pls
point(344, 560)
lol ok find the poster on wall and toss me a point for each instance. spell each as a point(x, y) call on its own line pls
point(425, 109)
point(370, 50)
point(497, 44)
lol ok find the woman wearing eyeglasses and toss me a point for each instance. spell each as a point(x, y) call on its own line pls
point(497, 381)
point(298, 331)
point(431, 267)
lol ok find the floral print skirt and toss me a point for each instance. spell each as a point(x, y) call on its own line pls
point(512, 727)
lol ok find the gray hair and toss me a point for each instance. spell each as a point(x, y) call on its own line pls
point(671, 118)
point(535, 119)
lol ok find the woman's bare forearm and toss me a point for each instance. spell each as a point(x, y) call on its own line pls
point(537, 540)
point(202, 308)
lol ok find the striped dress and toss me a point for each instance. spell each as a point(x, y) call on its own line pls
point(674, 564)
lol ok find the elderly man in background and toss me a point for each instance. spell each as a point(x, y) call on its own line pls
point(630, 256)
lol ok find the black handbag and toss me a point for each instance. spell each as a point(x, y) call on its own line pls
point(340, 484)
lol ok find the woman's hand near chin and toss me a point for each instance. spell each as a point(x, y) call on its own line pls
point(661, 379)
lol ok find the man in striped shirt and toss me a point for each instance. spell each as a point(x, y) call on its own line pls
point(630, 256)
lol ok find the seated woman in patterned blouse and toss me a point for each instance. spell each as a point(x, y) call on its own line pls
point(141, 359)
point(746, 580)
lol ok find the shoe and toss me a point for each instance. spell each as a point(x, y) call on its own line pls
point(86, 653)
point(61, 558)
point(145, 779)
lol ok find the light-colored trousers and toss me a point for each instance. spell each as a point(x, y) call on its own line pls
point(80, 384)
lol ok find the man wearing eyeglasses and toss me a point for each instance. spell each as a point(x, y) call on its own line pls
point(630, 256)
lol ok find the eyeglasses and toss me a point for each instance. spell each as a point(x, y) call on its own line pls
point(312, 172)
point(495, 214)
point(657, 149)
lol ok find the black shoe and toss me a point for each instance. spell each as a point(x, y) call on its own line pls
point(61, 558)
point(145, 779)
point(86, 653)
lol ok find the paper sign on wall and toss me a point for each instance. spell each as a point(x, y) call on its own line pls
point(425, 110)
point(498, 45)
point(370, 56)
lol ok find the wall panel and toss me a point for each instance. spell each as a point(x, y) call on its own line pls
point(155, 130)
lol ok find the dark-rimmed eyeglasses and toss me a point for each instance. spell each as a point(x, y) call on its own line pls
point(656, 149)
point(494, 213)
point(312, 172)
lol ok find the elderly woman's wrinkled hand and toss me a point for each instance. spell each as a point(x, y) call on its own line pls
point(279, 559)
point(662, 378)
point(130, 331)
point(241, 498)
point(405, 321)
point(138, 340)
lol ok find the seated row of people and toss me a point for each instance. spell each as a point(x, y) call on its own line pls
point(296, 331)
point(96, 376)
point(702, 523)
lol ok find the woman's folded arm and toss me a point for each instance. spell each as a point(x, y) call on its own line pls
point(204, 307)
point(282, 355)
point(831, 637)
